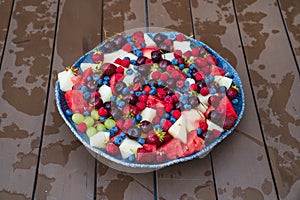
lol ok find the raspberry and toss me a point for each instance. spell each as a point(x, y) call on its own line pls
point(148, 61)
point(143, 98)
point(164, 76)
point(127, 47)
point(180, 37)
point(169, 107)
point(195, 52)
point(160, 111)
point(136, 87)
point(167, 41)
point(155, 75)
point(125, 63)
point(174, 98)
point(180, 60)
point(199, 76)
point(141, 105)
point(166, 124)
point(127, 123)
point(175, 74)
point(120, 70)
point(119, 123)
point(168, 99)
point(170, 68)
point(177, 53)
point(102, 112)
point(180, 83)
point(161, 93)
point(118, 76)
point(156, 120)
point(118, 61)
point(176, 114)
point(204, 91)
point(147, 89)
point(187, 54)
point(203, 125)
point(81, 127)
point(194, 87)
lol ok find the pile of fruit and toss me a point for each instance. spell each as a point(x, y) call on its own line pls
point(147, 98)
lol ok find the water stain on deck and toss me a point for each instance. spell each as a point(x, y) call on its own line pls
point(267, 187)
point(44, 186)
point(58, 152)
point(25, 161)
point(5, 194)
point(57, 122)
point(247, 193)
point(242, 5)
point(13, 131)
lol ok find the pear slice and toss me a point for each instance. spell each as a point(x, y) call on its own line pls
point(148, 114)
point(190, 80)
point(202, 107)
point(129, 147)
point(204, 99)
point(105, 92)
point(223, 81)
point(212, 126)
point(128, 79)
point(84, 66)
point(149, 42)
point(183, 46)
point(178, 129)
point(99, 139)
point(168, 56)
point(65, 81)
point(192, 118)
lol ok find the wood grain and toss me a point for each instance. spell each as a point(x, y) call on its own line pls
point(5, 8)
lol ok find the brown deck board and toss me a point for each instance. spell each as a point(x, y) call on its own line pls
point(242, 154)
point(5, 9)
point(24, 79)
point(276, 84)
point(113, 184)
point(291, 12)
point(194, 177)
point(66, 169)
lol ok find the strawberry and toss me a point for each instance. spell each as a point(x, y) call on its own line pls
point(97, 56)
point(127, 47)
point(102, 112)
point(211, 60)
point(166, 124)
point(127, 123)
point(125, 63)
point(195, 52)
point(176, 114)
point(112, 149)
point(155, 75)
point(164, 76)
point(216, 71)
point(75, 100)
point(143, 156)
point(161, 93)
point(118, 61)
point(204, 91)
point(180, 37)
point(137, 35)
point(160, 156)
point(200, 62)
point(120, 70)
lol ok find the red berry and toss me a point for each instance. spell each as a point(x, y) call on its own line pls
point(118, 76)
point(206, 70)
point(187, 54)
point(180, 60)
point(203, 125)
point(164, 76)
point(166, 124)
point(147, 89)
point(195, 52)
point(204, 91)
point(81, 127)
point(118, 61)
point(155, 75)
point(97, 56)
point(180, 37)
point(136, 87)
point(167, 41)
point(175, 98)
point(160, 111)
point(211, 60)
point(112, 149)
point(126, 109)
point(102, 112)
point(125, 63)
point(177, 53)
point(156, 120)
point(148, 61)
point(143, 98)
point(120, 70)
point(168, 99)
point(127, 47)
point(199, 76)
point(170, 68)
point(180, 83)
point(194, 87)
point(161, 93)
point(200, 62)
point(119, 123)
point(127, 123)
point(169, 107)
point(175, 74)
point(176, 114)
point(141, 105)
point(231, 93)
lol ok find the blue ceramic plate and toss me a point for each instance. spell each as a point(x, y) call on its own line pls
point(124, 165)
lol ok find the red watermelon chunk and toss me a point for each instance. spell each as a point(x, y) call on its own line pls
point(75, 101)
point(147, 51)
point(172, 149)
point(227, 108)
point(216, 71)
point(84, 75)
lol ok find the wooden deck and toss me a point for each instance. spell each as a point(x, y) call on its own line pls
point(41, 159)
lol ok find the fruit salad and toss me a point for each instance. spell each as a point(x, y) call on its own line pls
point(150, 97)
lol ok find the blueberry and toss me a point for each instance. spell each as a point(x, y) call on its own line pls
point(199, 131)
point(84, 88)
point(86, 113)
point(167, 115)
point(113, 98)
point(222, 89)
point(234, 101)
point(138, 93)
point(106, 78)
point(192, 66)
point(100, 82)
point(143, 44)
point(86, 95)
point(172, 119)
point(133, 62)
point(129, 72)
point(131, 158)
point(138, 117)
point(69, 112)
point(125, 91)
point(187, 107)
point(114, 129)
point(121, 104)
point(141, 140)
point(96, 77)
point(102, 119)
point(126, 58)
point(105, 82)
point(118, 140)
point(212, 90)
point(123, 135)
point(174, 61)
point(181, 66)
point(135, 67)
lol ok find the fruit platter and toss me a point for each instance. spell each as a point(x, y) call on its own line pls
point(146, 100)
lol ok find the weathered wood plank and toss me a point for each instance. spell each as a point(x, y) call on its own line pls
point(291, 13)
point(119, 16)
point(276, 86)
point(5, 9)
point(195, 177)
point(24, 79)
point(243, 152)
point(66, 169)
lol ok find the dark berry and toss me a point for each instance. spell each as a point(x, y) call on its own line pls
point(155, 56)
point(108, 69)
point(134, 133)
point(119, 41)
point(146, 126)
point(119, 87)
point(144, 70)
point(109, 46)
point(159, 38)
point(141, 60)
point(229, 122)
point(231, 93)
point(214, 100)
point(194, 101)
point(91, 86)
point(163, 64)
point(107, 105)
point(131, 99)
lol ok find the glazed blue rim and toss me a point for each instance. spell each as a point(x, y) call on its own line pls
point(239, 107)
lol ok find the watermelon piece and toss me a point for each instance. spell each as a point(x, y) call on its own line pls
point(172, 149)
point(227, 108)
point(147, 51)
point(193, 144)
point(75, 101)
point(150, 147)
point(209, 109)
point(216, 71)
point(84, 75)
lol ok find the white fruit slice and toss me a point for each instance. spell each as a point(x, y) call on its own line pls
point(204, 99)
point(190, 80)
point(149, 42)
point(168, 56)
point(148, 114)
point(192, 119)
point(99, 139)
point(212, 126)
point(105, 92)
point(183, 46)
point(178, 129)
point(65, 81)
point(128, 147)
point(223, 81)
point(84, 66)
point(111, 57)
point(202, 107)
point(128, 79)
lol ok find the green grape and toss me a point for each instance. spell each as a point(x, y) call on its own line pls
point(95, 115)
point(91, 131)
point(77, 118)
point(109, 123)
point(101, 127)
point(89, 121)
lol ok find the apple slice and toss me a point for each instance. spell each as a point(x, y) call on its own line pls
point(168, 56)
point(190, 80)
point(204, 99)
point(84, 66)
point(149, 42)
point(129, 147)
point(223, 81)
point(105, 92)
point(202, 107)
point(99, 139)
point(212, 126)
point(183, 46)
point(65, 80)
point(128, 79)
point(192, 118)
point(148, 114)
point(178, 129)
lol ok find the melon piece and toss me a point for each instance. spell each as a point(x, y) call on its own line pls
point(192, 119)
point(223, 81)
point(178, 129)
point(84, 66)
point(105, 92)
point(65, 80)
point(99, 139)
point(204, 99)
point(190, 80)
point(183, 46)
point(168, 56)
point(212, 126)
point(148, 114)
point(149, 42)
point(129, 147)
